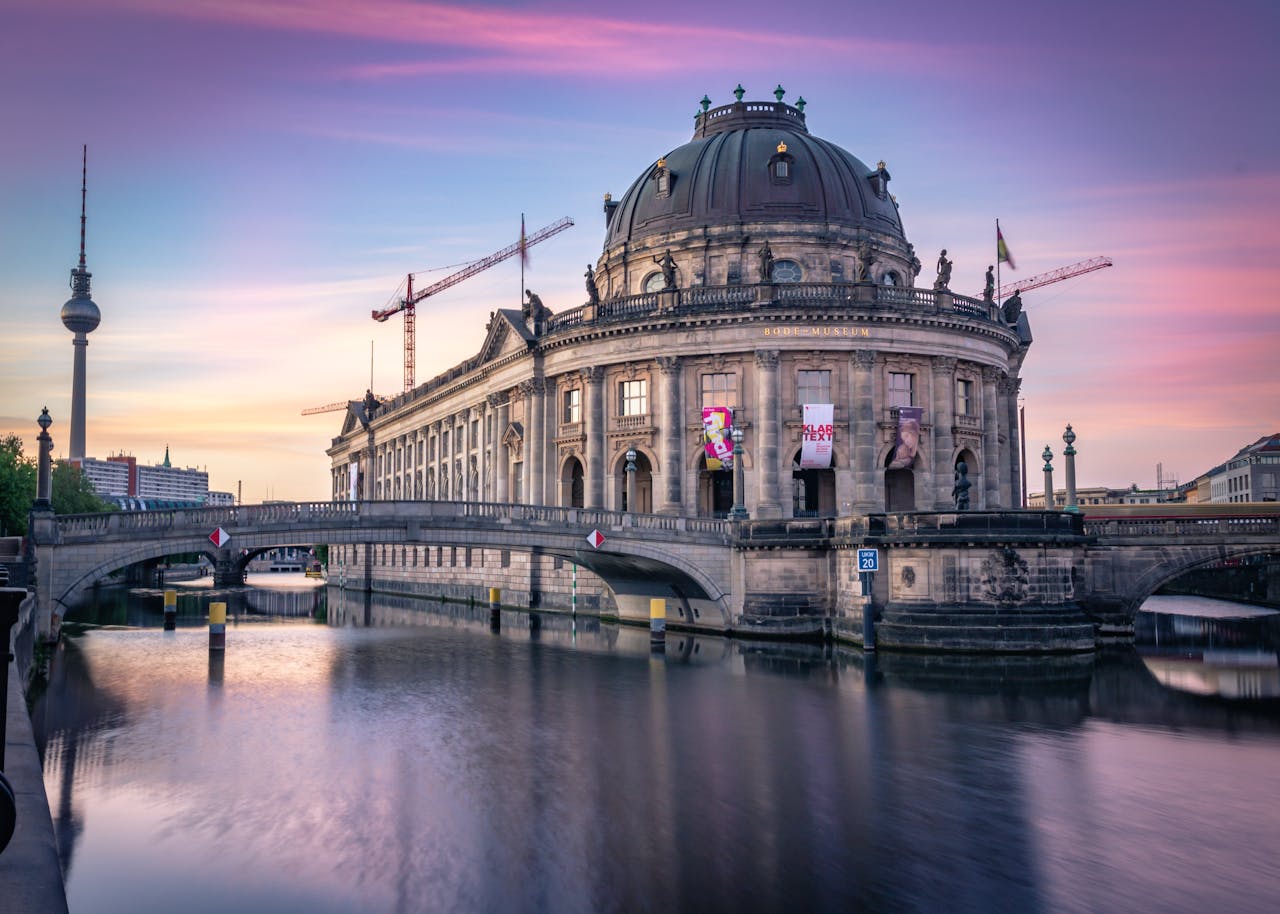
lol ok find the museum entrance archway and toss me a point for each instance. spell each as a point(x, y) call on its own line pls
point(715, 491)
point(572, 489)
point(644, 485)
point(899, 487)
point(813, 491)
point(973, 475)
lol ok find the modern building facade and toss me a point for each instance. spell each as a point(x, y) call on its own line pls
point(748, 274)
point(138, 487)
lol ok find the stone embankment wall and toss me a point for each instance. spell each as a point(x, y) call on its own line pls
point(529, 580)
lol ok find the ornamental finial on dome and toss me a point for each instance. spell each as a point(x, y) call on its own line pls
point(782, 146)
point(705, 103)
point(800, 103)
point(739, 92)
point(779, 92)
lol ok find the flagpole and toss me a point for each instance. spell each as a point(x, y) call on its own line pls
point(996, 295)
point(523, 255)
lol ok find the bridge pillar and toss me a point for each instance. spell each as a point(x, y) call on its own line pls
point(227, 572)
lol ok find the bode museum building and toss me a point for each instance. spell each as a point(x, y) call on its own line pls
point(756, 284)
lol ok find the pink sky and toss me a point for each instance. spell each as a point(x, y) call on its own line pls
point(263, 174)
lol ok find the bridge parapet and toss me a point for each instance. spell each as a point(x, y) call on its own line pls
point(1233, 526)
point(1002, 526)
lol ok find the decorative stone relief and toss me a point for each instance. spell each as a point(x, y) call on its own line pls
point(1006, 577)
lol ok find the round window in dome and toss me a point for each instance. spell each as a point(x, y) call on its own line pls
point(654, 282)
point(889, 279)
point(786, 271)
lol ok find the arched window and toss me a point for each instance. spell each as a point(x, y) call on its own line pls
point(890, 279)
point(654, 282)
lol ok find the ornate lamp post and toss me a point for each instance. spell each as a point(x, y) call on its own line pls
point(1048, 478)
point(739, 511)
point(44, 473)
point(1070, 456)
point(631, 479)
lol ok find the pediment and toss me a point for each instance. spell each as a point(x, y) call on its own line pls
point(505, 337)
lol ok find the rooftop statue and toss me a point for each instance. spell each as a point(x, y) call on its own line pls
point(668, 265)
point(766, 262)
point(944, 272)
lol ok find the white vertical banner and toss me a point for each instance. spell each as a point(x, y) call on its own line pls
point(353, 481)
point(815, 452)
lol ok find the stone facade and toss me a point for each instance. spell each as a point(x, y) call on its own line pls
point(692, 312)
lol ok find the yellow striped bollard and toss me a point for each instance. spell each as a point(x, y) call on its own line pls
point(217, 626)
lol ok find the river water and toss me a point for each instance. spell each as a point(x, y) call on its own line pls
point(404, 757)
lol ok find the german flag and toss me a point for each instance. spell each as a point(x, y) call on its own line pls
point(1002, 250)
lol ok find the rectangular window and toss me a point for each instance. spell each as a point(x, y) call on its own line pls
point(572, 406)
point(813, 387)
point(902, 389)
point(964, 397)
point(720, 389)
point(444, 444)
point(475, 433)
point(633, 398)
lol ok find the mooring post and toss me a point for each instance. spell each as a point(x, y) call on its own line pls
point(217, 626)
point(657, 623)
point(495, 608)
point(170, 610)
point(868, 614)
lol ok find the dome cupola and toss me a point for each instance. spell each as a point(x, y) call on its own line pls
point(751, 173)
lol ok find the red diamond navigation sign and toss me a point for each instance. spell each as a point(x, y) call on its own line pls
point(595, 538)
point(219, 537)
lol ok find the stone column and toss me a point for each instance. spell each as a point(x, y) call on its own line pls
point(990, 440)
point(535, 441)
point(1011, 472)
point(767, 425)
point(672, 433)
point(862, 431)
point(501, 456)
point(593, 393)
point(943, 418)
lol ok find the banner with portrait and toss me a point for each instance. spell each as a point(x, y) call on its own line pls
point(717, 425)
point(353, 481)
point(908, 441)
point(815, 449)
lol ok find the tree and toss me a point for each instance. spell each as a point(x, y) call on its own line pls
point(17, 486)
point(73, 493)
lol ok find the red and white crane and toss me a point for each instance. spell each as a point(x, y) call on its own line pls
point(1058, 275)
point(409, 302)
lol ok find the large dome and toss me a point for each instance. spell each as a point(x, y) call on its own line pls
point(753, 172)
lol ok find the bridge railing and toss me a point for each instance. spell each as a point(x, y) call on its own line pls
point(961, 524)
point(1226, 526)
point(82, 527)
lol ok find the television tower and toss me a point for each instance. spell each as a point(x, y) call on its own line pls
point(81, 316)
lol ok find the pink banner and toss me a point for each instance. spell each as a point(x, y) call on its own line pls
point(717, 423)
point(815, 451)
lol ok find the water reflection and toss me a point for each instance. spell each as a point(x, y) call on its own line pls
point(1211, 647)
point(402, 757)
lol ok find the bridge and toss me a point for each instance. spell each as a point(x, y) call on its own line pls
point(1011, 581)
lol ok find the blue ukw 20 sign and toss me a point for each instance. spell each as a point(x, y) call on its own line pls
point(868, 559)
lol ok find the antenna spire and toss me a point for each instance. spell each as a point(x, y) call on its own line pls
point(84, 184)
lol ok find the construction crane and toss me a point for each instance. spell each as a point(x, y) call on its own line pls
point(411, 298)
point(1045, 279)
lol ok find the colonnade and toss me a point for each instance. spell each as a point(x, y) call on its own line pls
point(478, 453)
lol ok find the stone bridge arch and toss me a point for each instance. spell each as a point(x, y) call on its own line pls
point(1150, 569)
point(642, 556)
